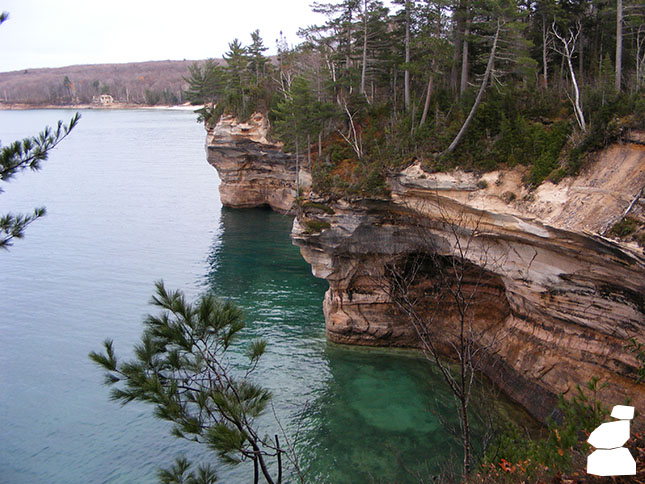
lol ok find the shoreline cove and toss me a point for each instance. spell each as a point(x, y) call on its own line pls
point(122, 194)
point(114, 106)
point(564, 297)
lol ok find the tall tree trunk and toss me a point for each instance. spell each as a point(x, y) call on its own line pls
point(568, 48)
point(348, 58)
point(407, 56)
point(395, 75)
point(580, 55)
point(412, 118)
point(456, 56)
point(482, 88)
point(619, 44)
point(640, 56)
point(465, 435)
point(364, 68)
point(297, 168)
point(576, 93)
point(426, 106)
point(463, 85)
point(600, 56)
point(319, 144)
point(545, 63)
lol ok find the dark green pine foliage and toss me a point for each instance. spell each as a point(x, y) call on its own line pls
point(181, 472)
point(237, 79)
point(19, 156)
point(261, 85)
point(297, 115)
point(181, 367)
point(257, 60)
point(206, 84)
point(240, 87)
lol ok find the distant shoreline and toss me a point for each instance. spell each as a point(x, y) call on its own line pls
point(26, 107)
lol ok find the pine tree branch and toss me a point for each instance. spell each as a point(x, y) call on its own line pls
point(29, 152)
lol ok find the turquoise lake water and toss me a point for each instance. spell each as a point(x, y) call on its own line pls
point(130, 200)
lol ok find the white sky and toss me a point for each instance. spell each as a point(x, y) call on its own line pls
point(56, 33)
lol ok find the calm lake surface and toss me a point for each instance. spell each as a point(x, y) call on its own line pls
point(131, 200)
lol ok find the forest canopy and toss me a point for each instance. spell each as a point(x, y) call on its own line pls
point(479, 84)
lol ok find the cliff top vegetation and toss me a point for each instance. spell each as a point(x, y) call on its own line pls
point(478, 85)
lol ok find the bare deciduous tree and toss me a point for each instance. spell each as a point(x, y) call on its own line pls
point(353, 137)
point(640, 54)
point(442, 289)
point(566, 50)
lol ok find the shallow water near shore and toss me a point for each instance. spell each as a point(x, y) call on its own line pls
point(131, 200)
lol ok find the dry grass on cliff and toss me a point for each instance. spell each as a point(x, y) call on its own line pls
point(505, 472)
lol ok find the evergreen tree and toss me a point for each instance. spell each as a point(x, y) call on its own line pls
point(257, 60)
point(22, 155)
point(297, 115)
point(237, 76)
point(206, 85)
point(205, 82)
point(27, 154)
point(431, 47)
point(181, 367)
point(260, 89)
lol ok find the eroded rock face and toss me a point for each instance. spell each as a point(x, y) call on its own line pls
point(253, 171)
point(557, 301)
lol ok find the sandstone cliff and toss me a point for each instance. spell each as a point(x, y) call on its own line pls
point(253, 171)
point(559, 300)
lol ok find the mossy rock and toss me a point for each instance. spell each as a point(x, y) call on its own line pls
point(319, 206)
point(315, 226)
point(627, 226)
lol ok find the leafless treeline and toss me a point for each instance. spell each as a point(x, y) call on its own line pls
point(159, 82)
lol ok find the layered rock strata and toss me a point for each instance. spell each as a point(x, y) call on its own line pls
point(555, 301)
point(253, 171)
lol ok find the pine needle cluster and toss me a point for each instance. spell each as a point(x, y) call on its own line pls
point(19, 156)
point(181, 367)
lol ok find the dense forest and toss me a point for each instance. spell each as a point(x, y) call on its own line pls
point(151, 83)
point(479, 84)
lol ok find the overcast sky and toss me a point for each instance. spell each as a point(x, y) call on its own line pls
point(56, 33)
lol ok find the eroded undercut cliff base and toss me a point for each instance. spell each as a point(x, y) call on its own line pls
point(558, 301)
point(254, 171)
point(553, 310)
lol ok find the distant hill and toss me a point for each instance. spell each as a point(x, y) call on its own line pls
point(156, 82)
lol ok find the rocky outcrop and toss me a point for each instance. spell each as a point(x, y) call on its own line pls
point(556, 299)
point(253, 171)
point(556, 302)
